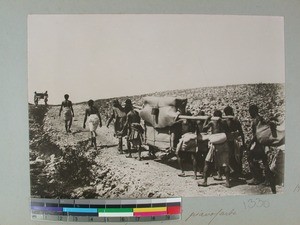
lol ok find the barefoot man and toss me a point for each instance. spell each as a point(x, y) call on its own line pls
point(120, 116)
point(135, 130)
point(94, 120)
point(68, 112)
point(236, 131)
point(218, 153)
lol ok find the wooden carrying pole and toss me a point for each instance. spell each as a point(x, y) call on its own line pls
point(202, 117)
point(137, 107)
point(192, 117)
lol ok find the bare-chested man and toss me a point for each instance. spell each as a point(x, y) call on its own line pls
point(119, 116)
point(235, 128)
point(218, 153)
point(134, 128)
point(188, 128)
point(94, 120)
point(68, 112)
point(257, 152)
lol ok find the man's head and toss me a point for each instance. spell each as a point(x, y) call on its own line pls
point(115, 103)
point(201, 113)
point(66, 96)
point(91, 103)
point(128, 104)
point(253, 110)
point(228, 111)
point(218, 113)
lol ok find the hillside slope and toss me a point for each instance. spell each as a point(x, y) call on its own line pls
point(63, 165)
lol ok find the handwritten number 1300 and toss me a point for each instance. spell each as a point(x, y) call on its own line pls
point(256, 203)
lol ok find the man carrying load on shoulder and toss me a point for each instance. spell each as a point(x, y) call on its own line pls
point(235, 150)
point(218, 148)
point(257, 152)
point(187, 145)
point(134, 128)
point(120, 116)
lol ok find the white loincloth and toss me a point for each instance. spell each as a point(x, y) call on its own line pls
point(93, 121)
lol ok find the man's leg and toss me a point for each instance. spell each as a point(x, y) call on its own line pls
point(92, 140)
point(95, 133)
point(200, 161)
point(120, 146)
point(152, 152)
point(70, 124)
point(227, 172)
point(205, 174)
point(129, 148)
point(139, 152)
point(239, 162)
point(270, 178)
point(232, 160)
point(219, 174)
point(66, 125)
point(179, 159)
point(95, 142)
point(194, 160)
point(254, 170)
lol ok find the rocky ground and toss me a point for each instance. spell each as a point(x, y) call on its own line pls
point(63, 165)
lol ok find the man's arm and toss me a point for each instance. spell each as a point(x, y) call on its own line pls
point(206, 126)
point(85, 118)
point(111, 118)
point(98, 114)
point(127, 122)
point(224, 125)
point(71, 106)
point(61, 106)
point(253, 126)
point(241, 133)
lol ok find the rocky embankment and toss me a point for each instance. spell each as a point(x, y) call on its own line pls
point(60, 165)
point(63, 165)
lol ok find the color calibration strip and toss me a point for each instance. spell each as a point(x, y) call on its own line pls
point(98, 210)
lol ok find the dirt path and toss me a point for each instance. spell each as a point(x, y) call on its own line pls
point(149, 178)
point(120, 177)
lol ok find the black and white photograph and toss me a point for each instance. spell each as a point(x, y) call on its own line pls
point(155, 105)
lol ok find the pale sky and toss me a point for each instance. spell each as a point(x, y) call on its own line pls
point(103, 56)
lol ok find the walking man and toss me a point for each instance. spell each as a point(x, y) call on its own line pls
point(94, 120)
point(235, 150)
point(134, 128)
point(218, 152)
point(257, 152)
point(68, 112)
point(120, 116)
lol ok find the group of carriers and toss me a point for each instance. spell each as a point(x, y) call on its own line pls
point(165, 119)
point(167, 126)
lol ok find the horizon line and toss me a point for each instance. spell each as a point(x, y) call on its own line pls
point(149, 93)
